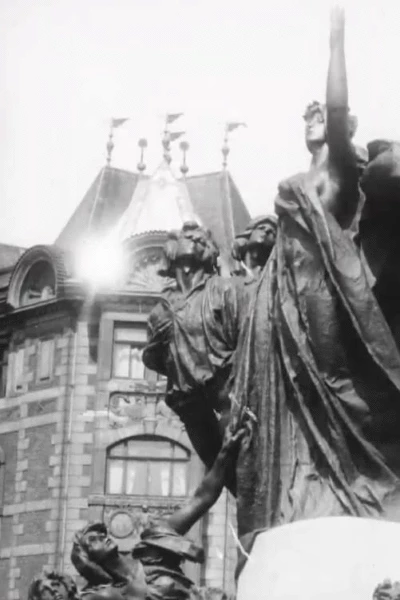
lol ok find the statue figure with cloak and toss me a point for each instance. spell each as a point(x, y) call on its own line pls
point(317, 364)
point(252, 247)
point(192, 336)
point(379, 227)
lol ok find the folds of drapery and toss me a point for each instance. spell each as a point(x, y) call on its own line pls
point(192, 337)
point(317, 365)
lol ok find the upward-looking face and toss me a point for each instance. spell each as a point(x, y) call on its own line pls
point(99, 546)
point(50, 589)
point(191, 248)
point(191, 243)
point(263, 234)
point(315, 131)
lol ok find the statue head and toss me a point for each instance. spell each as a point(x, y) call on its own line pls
point(381, 179)
point(52, 586)
point(110, 576)
point(90, 551)
point(387, 591)
point(255, 244)
point(189, 250)
point(315, 120)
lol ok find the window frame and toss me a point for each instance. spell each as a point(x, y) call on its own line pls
point(43, 380)
point(148, 460)
point(4, 370)
point(22, 302)
point(18, 385)
point(148, 374)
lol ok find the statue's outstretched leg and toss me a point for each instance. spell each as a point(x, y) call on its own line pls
point(204, 429)
point(201, 424)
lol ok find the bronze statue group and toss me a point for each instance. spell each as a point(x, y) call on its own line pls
point(286, 375)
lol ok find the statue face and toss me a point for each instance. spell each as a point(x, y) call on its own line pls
point(50, 589)
point(263, 234)
point(99, 546)
point(191, 247)
point(315, 127)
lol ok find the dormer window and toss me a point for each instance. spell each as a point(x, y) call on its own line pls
point(39, 284)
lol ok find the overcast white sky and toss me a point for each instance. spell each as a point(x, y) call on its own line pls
point(69, 65)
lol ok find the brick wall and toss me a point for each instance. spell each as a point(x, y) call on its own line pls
point(27, 567)
point(6, 532)
point(8, 442)
point(31, 510)
point(220, 544)
point(51, 435)
point(38, 450)
point(34, 527)
point(4, 572)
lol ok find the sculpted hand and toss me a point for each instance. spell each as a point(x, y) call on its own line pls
point(337, 25)
point(238, 428)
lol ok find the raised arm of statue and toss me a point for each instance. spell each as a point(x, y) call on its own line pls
point(212, 484)
point(340, 125)
point(338, 134)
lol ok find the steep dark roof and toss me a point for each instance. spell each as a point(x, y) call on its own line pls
point(219, 205)
point(9, 255)
point(107, 198)
point(215, 198)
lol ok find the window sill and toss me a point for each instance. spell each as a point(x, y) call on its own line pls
point(43, 384)
point(118, 384)
point(136, 501)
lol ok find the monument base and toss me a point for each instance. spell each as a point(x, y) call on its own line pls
point(329, 558)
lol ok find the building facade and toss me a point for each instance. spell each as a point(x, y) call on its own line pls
point(85, 433)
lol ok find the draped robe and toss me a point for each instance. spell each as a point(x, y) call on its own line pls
point(318, 367)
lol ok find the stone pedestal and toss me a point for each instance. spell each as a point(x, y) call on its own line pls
point(329, 558)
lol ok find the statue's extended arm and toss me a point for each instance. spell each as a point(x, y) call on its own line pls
point(210, 488)
point(342, 158)
point(337, 94)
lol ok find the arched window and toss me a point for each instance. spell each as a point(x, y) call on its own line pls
point(39, 284)
point(147, 466)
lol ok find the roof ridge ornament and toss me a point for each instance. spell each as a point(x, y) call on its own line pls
point(184, 146)
point(229, 126)
point(170, 136)
point(141, 166)
point(114, 123)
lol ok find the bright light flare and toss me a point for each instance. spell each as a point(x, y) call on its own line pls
point(101, 263)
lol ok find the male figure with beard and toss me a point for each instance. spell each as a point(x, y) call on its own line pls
point(192, 336)
point(253, 247)
point(155, 569)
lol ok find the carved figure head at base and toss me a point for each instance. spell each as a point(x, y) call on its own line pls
point(53, 586)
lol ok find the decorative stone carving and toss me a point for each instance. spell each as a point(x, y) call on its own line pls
point(131, 407)
point(121, 524)
point(127, 522)
point(143, 274)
